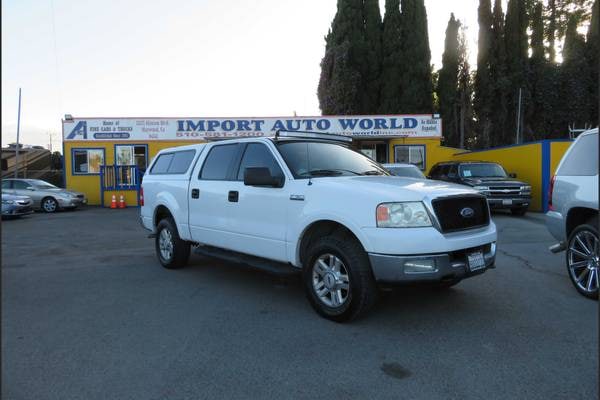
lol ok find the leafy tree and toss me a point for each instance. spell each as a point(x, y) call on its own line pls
point(393, 60)
point(416, 83)
point(447, 85)
point(557, 16)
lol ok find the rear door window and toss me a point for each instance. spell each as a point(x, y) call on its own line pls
point(582, 159)
point(218, 162)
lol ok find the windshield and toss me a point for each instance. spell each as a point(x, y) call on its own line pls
point(41, 185)
point(316, 159)
point(482, 171)
point(407, 172)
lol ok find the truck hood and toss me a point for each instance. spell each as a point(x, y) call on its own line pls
point(493, 181)
point(394, 188)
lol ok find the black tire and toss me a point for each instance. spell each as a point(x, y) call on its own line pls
point(520, 211)
point(49, 205)
point(179, 249)
point(588, 228)
point(362, 291)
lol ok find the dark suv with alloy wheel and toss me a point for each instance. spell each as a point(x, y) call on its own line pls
point(502, 190)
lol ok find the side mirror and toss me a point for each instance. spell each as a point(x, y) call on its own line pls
point(261, 176)
point(512, 175)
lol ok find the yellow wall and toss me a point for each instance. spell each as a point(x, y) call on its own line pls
point(90, 184)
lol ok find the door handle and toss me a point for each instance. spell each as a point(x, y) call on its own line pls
point(195, 193)
point(233, 196)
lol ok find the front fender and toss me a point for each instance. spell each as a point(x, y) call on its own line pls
point(304, 224)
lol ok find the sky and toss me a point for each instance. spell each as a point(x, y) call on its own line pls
point(160, 58)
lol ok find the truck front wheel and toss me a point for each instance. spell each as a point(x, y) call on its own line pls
point(338, 278)
point(172, 252)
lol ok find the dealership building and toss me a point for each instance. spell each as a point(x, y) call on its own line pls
point(106, 156)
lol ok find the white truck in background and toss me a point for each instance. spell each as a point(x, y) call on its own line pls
point(309, 203)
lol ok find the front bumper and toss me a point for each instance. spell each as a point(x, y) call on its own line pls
point(508, 202)
point(17, 210)
point(452, 265)
point(71, 203)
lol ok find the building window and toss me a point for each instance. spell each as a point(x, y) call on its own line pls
point(410, 154)
point(87, 161)
point(132, 155)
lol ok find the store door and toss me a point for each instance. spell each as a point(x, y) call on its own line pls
point(376, 150)
point(127, 156)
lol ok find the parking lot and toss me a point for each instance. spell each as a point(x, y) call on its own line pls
point(88, 313)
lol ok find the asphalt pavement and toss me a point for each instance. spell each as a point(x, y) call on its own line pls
point(88, 313)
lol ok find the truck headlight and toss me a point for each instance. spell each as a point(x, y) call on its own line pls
point(526, 188)
point(481, 188)
point(402, 215)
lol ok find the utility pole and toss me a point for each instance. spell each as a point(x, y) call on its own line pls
point(518, 139)
point(18, 129)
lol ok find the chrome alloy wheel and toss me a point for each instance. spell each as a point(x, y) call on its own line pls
point(165, 244)
point(49, 205)
point(330, 280)
point(584, 263)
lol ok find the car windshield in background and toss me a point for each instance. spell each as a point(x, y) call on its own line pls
point(482, 171)
point(407, 172)
point(317, 159)
point(42, 185)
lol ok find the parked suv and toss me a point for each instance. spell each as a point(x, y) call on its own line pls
point(316, 206)
point(502, 190)
point(573, 212)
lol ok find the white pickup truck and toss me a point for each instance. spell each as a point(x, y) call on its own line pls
point(309, 202)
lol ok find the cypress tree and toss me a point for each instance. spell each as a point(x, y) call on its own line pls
point(447, 87)
point(593, 55)
point(371, 62)
point(341, 82)
point(575, 80)
point(483, 86)
point(465, 92)
point(416, 83)
point(499, 82)
point(393, 62)
point(517, 67)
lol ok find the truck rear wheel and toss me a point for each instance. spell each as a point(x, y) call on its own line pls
point(338, 278)
point(172, 252)
point(583, 260)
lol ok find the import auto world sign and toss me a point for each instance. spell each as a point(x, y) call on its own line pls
point(214, 128)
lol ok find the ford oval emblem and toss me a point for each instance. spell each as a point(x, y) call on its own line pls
point(467, 212)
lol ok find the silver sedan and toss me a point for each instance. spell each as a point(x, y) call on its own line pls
point(45, 196)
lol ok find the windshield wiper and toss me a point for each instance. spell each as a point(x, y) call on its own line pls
point(372, 172)
point(330, 172)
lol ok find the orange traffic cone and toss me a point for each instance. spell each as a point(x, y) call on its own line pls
point(113, 202)
point(122, 202)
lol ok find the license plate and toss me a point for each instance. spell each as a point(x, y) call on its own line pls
point(476, 261)
point(507, 202)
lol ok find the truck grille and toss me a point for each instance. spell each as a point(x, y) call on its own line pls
point(453, 214)
point(504, 190)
